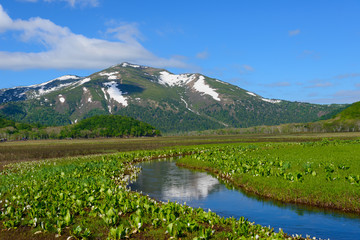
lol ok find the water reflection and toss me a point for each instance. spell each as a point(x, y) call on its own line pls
point(168, 182)
point(163, 180)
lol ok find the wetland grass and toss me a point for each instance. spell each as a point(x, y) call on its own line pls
point(323, 174)
point(86, 198)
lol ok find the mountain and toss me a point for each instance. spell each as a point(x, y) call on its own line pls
point(350, 113)
point(344, 119)
point(169, 102)
point(348, 120)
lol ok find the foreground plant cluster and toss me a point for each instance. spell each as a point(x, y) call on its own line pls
point(86, 198)
point(324, 173)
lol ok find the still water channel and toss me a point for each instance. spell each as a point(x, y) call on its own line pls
point(164, 181)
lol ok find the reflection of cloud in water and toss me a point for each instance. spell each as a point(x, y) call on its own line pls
point(190, 187)
point(164, 181)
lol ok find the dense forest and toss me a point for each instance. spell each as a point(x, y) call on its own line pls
point(109, 126)
point(97, 126)
point(10, 129)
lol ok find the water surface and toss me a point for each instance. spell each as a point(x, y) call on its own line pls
point(164, 181)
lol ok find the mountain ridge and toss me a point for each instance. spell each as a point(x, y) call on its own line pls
point(346, 120)
point(170, 102)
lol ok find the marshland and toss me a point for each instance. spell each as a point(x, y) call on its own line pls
point(86, 194)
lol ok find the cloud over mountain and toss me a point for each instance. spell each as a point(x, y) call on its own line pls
point(65, 49)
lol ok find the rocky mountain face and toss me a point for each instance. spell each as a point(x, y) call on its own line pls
point(170, 102)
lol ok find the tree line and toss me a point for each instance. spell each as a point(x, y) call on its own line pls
point(97, 126)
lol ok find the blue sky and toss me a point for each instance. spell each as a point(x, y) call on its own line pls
point(297, 50)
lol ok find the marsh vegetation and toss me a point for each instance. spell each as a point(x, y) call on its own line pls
point(85, 197)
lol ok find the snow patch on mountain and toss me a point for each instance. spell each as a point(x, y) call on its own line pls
point(222, 82)
point(43, 90)
point(37, 90)
point(85, 80)
point(264, 99)
point(105, 95)
point(202, 87)
point(115, 93)
point(67, 77)
point(86, 91)
point(111, 76)
point(61, 98)
point(252, 94)
point(187, 105)
point(62, 78)
point(107, 74)
point(271, 100)
point(167, 78)
point(132, 65)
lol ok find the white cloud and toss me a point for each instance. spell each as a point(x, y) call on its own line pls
point(339, 97)
point(202, 55)
point(72, 3)
point(347, 75)
point(320, 85)
point(278, 84)
point(65, 49)
point(248, 68)
point(127, 32)
point(347, 96)
point(294, 32)
point(5, 20)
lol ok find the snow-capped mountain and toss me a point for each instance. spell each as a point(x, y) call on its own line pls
point(170, 102)
point(24, 93)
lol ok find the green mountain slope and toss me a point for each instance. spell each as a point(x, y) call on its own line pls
point(345, 119)
point(170, 102)
point(350, 113)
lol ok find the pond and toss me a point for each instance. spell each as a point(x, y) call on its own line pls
point(163, 180)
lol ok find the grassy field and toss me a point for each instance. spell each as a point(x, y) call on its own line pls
point(49, 189)
point(323, 174)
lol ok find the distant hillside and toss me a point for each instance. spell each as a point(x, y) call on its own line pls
point(350, 113)
point(109, 126)
point(347, 120)
point(170, 102)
